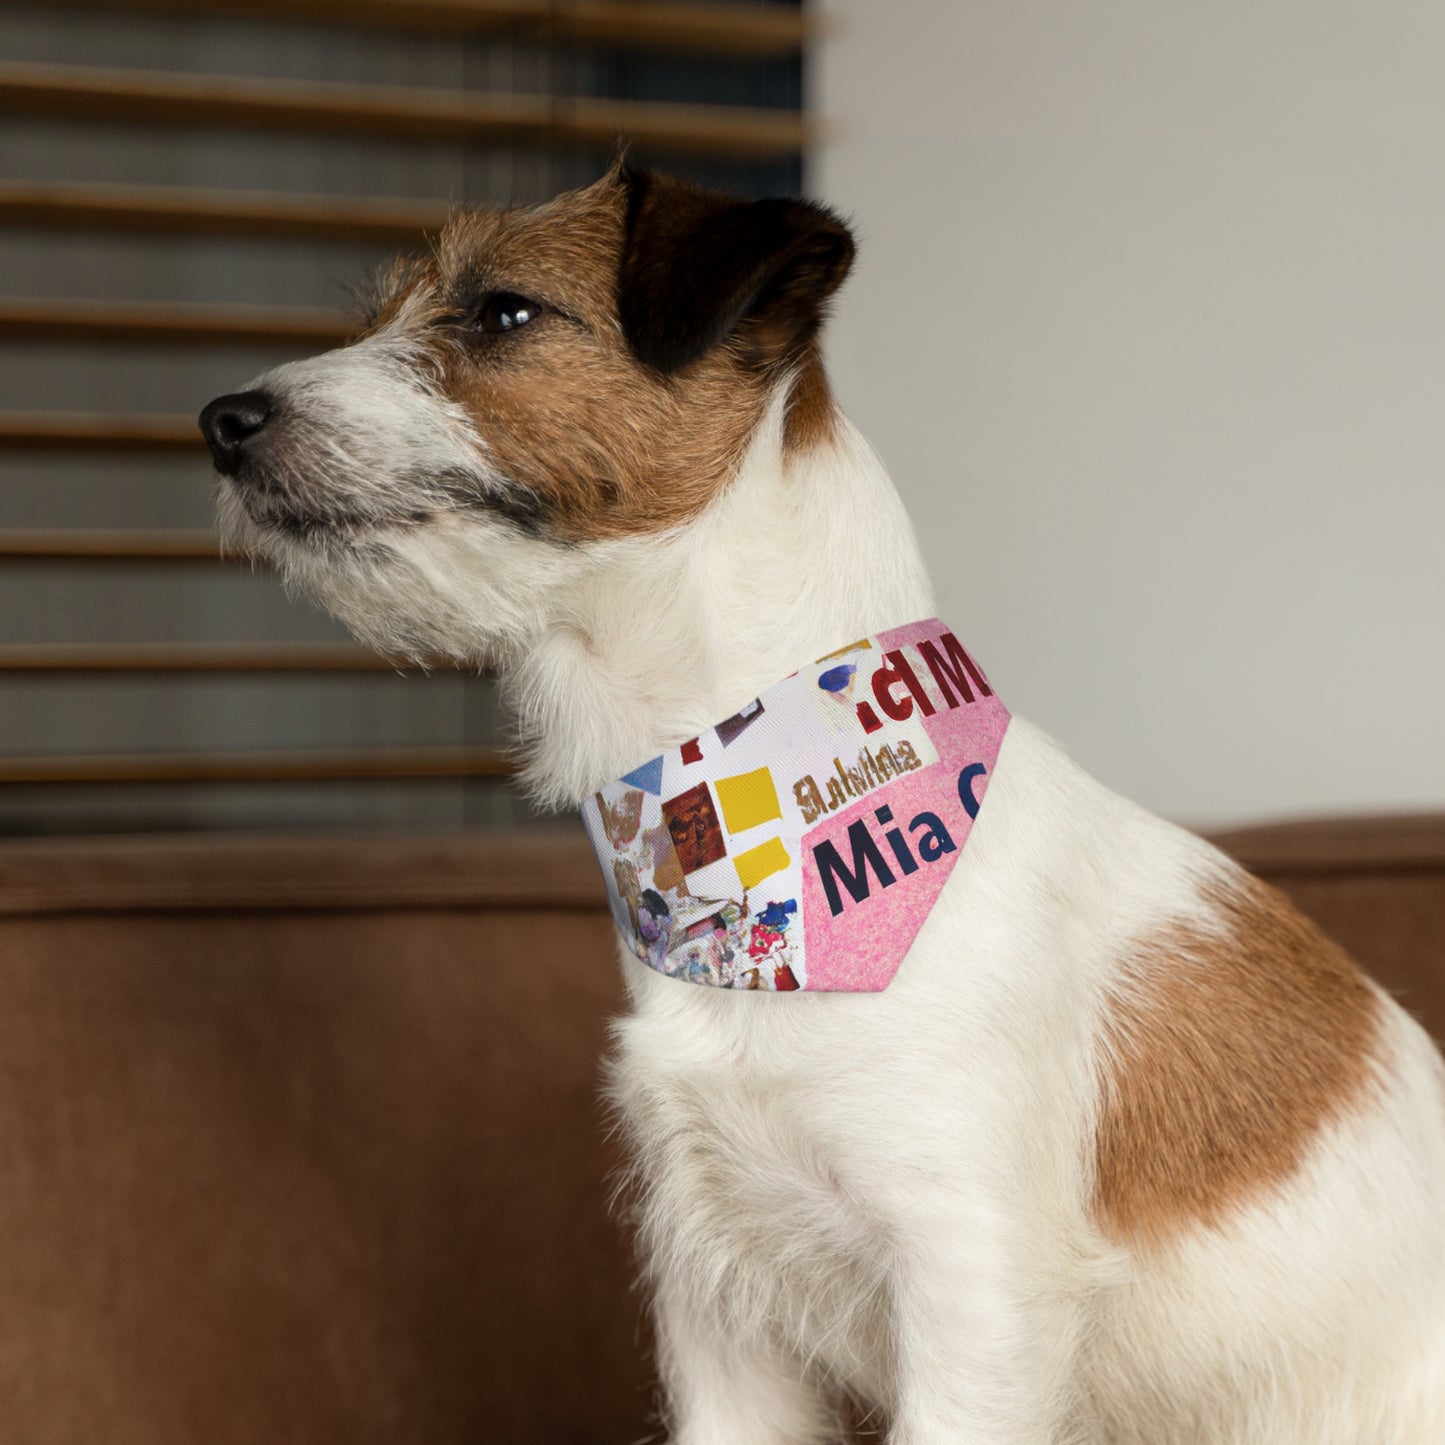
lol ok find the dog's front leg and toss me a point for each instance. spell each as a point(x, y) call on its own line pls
point(985, 1337)
point(723, 1385)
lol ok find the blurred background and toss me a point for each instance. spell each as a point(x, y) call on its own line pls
point(1148, 322)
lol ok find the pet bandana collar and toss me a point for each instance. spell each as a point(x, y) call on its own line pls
point(801, 843)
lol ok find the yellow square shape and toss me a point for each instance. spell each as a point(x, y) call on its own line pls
point(748, 799)
point(761, 862)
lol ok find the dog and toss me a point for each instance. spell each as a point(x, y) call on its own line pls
point(1126, 1151)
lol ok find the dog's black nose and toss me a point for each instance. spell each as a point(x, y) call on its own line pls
point(229, 422)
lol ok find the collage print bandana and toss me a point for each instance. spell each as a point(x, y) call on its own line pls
point(801, 843)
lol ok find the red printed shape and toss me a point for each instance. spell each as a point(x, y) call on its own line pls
point(870, 719)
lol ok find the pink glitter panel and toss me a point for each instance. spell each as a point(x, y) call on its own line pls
point(860, 947)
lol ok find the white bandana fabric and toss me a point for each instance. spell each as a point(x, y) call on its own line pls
point(801, 843)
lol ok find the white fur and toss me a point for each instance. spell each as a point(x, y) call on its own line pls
point(890, 1194)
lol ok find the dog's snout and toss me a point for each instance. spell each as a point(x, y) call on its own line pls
point(229, 422)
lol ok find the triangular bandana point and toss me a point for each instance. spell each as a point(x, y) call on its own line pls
point(800, 844)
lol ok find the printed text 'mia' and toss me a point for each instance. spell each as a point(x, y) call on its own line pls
point(929, 836)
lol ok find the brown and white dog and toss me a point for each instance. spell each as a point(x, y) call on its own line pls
point(1127, 1152)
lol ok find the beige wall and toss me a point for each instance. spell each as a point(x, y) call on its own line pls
point(1149, 324)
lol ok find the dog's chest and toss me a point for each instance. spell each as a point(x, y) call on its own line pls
point(749, 1177)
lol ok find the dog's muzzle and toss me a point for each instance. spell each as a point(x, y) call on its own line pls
point(231, 424)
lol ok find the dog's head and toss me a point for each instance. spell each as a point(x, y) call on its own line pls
point(546, 383)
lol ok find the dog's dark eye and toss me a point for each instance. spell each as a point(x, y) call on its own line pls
point(505, 311)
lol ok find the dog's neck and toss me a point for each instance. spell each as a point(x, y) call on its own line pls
point(806, 551)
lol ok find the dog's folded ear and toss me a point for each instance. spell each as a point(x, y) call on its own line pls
point(699, 267)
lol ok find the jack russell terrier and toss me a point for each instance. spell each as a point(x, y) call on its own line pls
point(955, 1084)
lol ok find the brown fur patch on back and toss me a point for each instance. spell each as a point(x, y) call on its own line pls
point(1226, 1052)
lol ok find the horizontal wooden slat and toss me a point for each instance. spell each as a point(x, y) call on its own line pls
point(84, 431)
point(738, 30)
point(76, 544)
point(704, 29)
point(170, 323)
point(213, 102)
point(270, 872)
point(363, 764)
point(172, 210)
point(187, 657)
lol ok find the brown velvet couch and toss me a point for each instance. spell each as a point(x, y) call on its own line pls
point(300, 1140)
